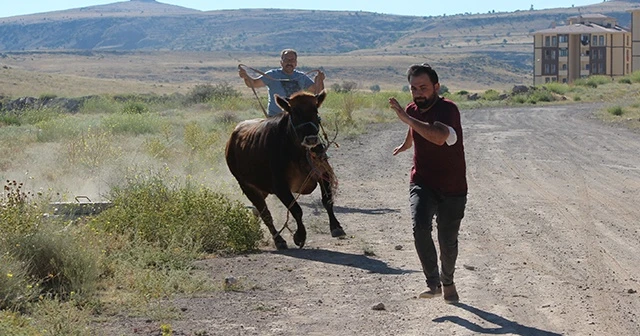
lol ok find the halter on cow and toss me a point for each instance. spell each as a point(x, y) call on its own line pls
point(273, 156)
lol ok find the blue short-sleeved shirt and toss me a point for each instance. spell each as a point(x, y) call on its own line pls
point(277, 81)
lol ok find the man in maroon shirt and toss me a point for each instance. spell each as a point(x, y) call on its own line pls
point(438, 185)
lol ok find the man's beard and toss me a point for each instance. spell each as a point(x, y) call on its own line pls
point(424, 103)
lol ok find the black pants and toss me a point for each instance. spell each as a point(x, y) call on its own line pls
point(449, 211)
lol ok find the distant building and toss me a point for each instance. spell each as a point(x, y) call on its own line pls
point(635, 33)
point(588, 45)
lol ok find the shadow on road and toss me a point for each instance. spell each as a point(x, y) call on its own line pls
point(505, 326)
point(345, 259)
point(317, 208)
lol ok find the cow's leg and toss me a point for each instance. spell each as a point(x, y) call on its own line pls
point(257, 198)
point(300, 236)
point(327, 201)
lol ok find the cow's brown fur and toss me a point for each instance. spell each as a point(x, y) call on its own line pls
point(267, 156)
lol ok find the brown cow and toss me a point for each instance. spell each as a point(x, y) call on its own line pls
point(272, 156)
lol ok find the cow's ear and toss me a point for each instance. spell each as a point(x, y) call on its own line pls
point(283, 103)
point(320, 97)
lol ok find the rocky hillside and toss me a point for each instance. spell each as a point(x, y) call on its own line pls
point(152, 25)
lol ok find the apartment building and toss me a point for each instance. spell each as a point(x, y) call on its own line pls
point(635, 39)
point(588, 45)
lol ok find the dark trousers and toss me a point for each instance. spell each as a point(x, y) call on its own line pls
point(449, 211)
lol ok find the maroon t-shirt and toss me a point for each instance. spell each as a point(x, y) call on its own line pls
point(441, 168)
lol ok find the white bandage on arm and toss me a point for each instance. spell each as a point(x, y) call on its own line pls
point(453, 137)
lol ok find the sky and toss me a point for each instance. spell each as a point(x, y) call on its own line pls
point(399, 7)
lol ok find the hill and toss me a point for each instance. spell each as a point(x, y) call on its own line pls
point(490, 48)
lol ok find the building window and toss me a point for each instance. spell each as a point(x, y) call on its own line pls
point(553, 68)
point(564, 66)
point(601, 68)
point(584, 39)
point(563, 38)
point(547, 41)
point(554, 41)
point(586, 66)
point(563, 52)
point(546, 69)
point(553, 54)
point(564, 81)
point(546, 80)
point(601, 38)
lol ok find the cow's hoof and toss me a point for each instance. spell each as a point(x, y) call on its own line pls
point(338, 232)
point(299, 238)
point(281, 244)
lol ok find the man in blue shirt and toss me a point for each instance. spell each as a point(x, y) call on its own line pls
point(284, 81)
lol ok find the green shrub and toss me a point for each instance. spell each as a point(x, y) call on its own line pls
point(134, 124)
point(625, 80)
point(556, 87)
point(17, 286)
point(540, 96)
point(491, 95)
point(7, 119)
point(100, 104)
point(374, 88)
point(204, 93)
point(635, 77)
point(146, 208)
point(585, 82)
point(462, 93)
point(135, 107)
point(63, 264)
point(616, 110)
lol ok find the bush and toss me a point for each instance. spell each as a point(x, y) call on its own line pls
point(37, 255)
point(61, 264)
point(375, 88)
point(616, 110)
point(443, 89)
point(556, 87)
point(540, 96)
point(491, 95)
point(134, 107)
point(146, 208)
point(17, 287)
point(344, 87)
point(204, 93)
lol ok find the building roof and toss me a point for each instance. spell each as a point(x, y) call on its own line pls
point(591, 16)
point(580, 28)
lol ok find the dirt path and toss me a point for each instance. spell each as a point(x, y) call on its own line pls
point(550, 243)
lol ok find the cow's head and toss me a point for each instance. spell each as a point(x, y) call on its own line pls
point(303, 116)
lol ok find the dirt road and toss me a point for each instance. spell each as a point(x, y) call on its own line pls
point(550, 244)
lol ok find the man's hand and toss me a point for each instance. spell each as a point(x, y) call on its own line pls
point(402, 114)
point(242, 73)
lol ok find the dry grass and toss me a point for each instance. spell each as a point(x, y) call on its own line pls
point(81, 74)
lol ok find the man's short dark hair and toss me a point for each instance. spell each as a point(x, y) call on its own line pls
point(421, 69)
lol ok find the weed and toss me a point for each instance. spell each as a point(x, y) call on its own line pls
point(616, 110)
